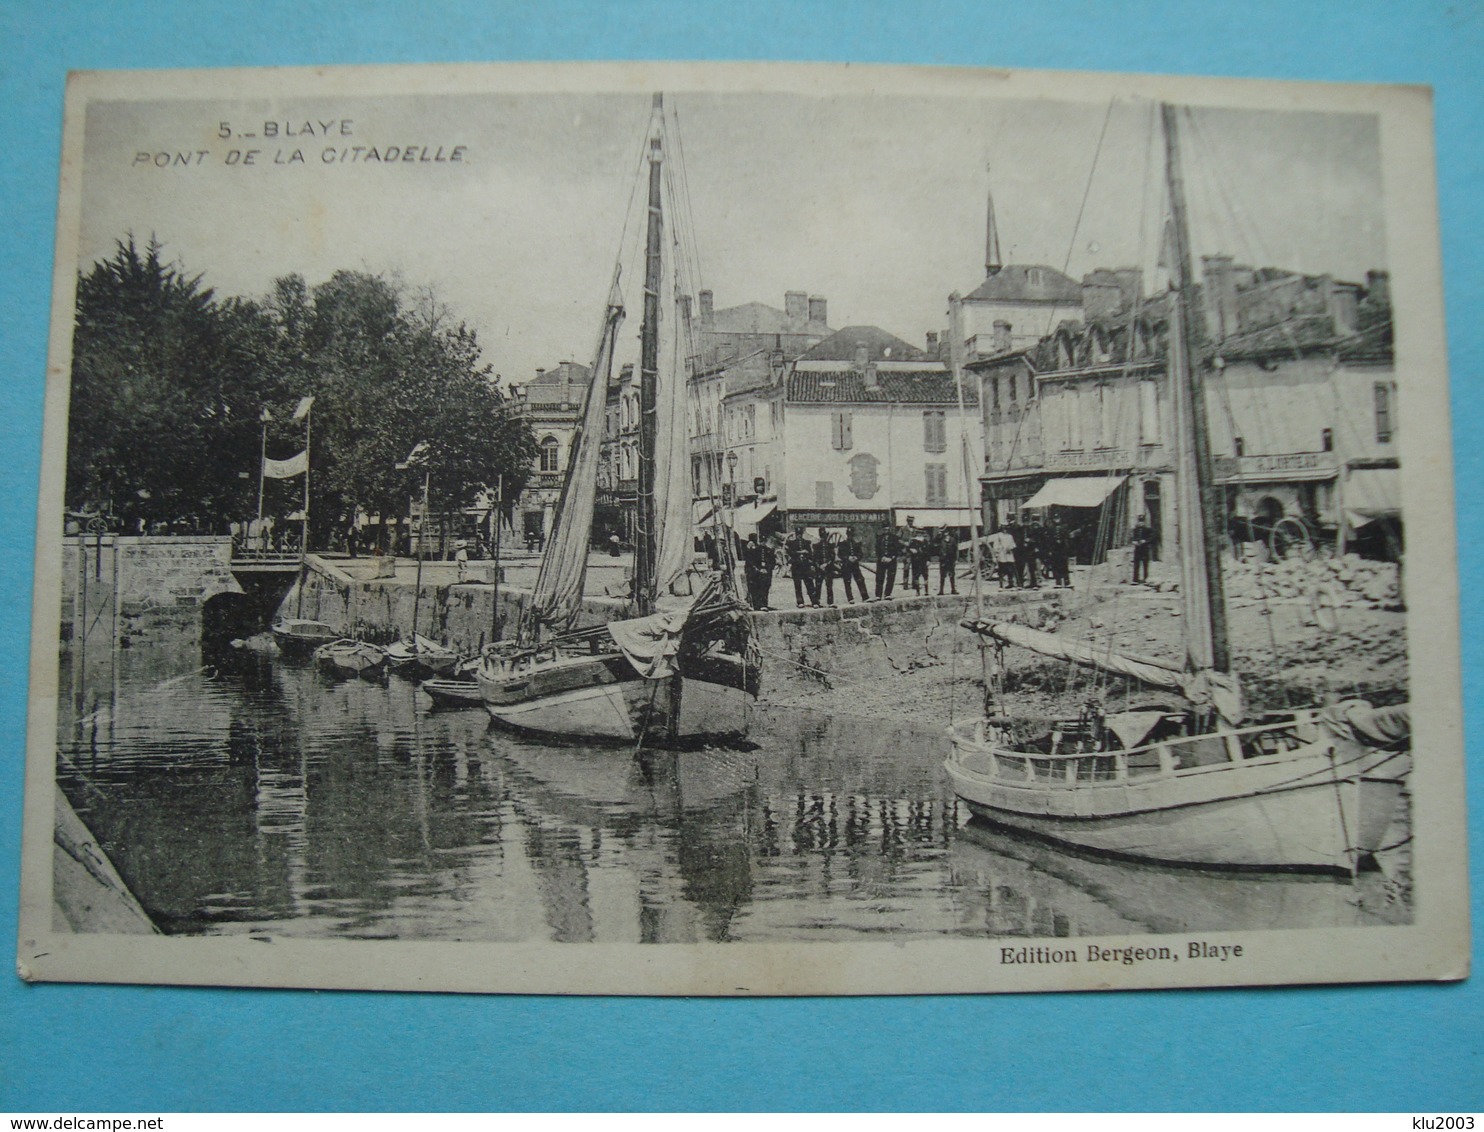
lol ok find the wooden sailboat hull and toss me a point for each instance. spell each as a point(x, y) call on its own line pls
point(1323, 805)
point(603, 698)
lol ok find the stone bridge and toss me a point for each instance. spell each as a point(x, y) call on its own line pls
point(134, 584)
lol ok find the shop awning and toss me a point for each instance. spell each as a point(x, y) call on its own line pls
point(937, 516)
point(749, 515)
point(1075, 491)
point(1373, 493)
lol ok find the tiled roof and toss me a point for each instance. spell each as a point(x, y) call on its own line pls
point(567, 372)
point(920, 384)
point(880, 346)
point(1016, 283)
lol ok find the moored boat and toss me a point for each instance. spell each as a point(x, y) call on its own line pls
point(346, 657)
point(682, 662)
point(1202, 786)
point(299, 636)
point(417, 655)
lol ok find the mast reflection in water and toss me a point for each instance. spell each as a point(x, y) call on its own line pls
point(247, 795)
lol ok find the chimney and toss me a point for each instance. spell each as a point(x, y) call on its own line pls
point(1378, 287)
point(817, 309)
point(872, 378)
point(1220, 296)
point(1130, 285)
point(1101, 295)
point(862, 356)
point(932, 343)
point(796, 306)
point(540, 372)
point(1001, 336)
point(706, 310)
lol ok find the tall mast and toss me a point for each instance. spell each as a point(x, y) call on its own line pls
point(645, 545)
point(1200, 505)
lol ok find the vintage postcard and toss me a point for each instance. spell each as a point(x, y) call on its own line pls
point(744, 530)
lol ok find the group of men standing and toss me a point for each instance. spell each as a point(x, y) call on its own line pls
point(815, 564)
point(1021, 553)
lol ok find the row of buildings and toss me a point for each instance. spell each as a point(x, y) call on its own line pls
point(1064, 394)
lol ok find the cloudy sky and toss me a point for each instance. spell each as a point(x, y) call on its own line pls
point(875, 202)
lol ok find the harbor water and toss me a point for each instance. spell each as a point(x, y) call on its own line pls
point(238, 792)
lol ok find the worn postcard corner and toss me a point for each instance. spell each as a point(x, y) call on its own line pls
point(737, 530)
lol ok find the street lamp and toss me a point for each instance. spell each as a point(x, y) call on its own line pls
point(732, 474)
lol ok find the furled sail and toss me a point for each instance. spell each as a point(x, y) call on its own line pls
point(1203, 687)
point(558, 592)
point(1151, 671)
point(672, 496)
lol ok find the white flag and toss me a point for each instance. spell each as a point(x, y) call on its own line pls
point(302, 411)
point(286, 469)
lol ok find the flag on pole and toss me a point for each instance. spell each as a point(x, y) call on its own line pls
point(302, 410)
point(286, 469)
point(267, 416)
point(416, 458)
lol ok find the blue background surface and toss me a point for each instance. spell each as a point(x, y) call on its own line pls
point(69, 1048)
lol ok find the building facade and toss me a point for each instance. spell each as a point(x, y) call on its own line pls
point(863, 430)
point(552, 403)
point(1300, 397)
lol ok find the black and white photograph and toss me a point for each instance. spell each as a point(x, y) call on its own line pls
point(744, 530)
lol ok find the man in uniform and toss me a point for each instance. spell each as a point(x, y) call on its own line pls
point(919, 550)
point(906, 535)
point(1026, 549)
point(947, 553)
point(752, 570)
point(826, 568)
point(848, 555)
point(888, 547)
point(1001, 547)
point(1143, 539)
point(801, 565)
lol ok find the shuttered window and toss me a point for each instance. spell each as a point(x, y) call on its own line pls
point(934, 431)
point(936, 476)
point(1384, 424)
point(1148, 413)
point(840, 430)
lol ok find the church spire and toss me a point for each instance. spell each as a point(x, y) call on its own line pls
point(992, 261)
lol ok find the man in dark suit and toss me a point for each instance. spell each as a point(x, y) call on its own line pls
point(848, 555)
point(888, 548)
point(825, 568)
point(947, 554)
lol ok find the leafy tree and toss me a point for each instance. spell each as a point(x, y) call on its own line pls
point(166, 380)
point(170, 382)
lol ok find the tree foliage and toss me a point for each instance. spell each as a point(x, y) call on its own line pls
point(169, 384)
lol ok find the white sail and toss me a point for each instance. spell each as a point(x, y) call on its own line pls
point(558, 592)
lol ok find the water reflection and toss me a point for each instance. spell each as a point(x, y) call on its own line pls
point(240, 794)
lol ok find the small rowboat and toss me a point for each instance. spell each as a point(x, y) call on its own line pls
point(449, 692)
point(299, 637)
point(417, 654)
point(346, 657)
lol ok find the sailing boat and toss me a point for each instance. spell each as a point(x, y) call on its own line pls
point(1313, 790)
point(681, 666)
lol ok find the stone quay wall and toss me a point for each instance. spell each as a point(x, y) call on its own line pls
point(802, 649)
point(145, 578)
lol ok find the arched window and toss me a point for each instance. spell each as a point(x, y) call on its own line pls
point(549, 448)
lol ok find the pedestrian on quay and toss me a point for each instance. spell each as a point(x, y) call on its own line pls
point(801, 565)
point(919, 550)
point(848, 555)
point(888, 547)
point(827, 568)
point(757, 563)
point(1001, 547)
point(947, 559)
point(1057, 549)
point(1143, 539)
point(907, 533)
point(461, 559)
point(1026, 550)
